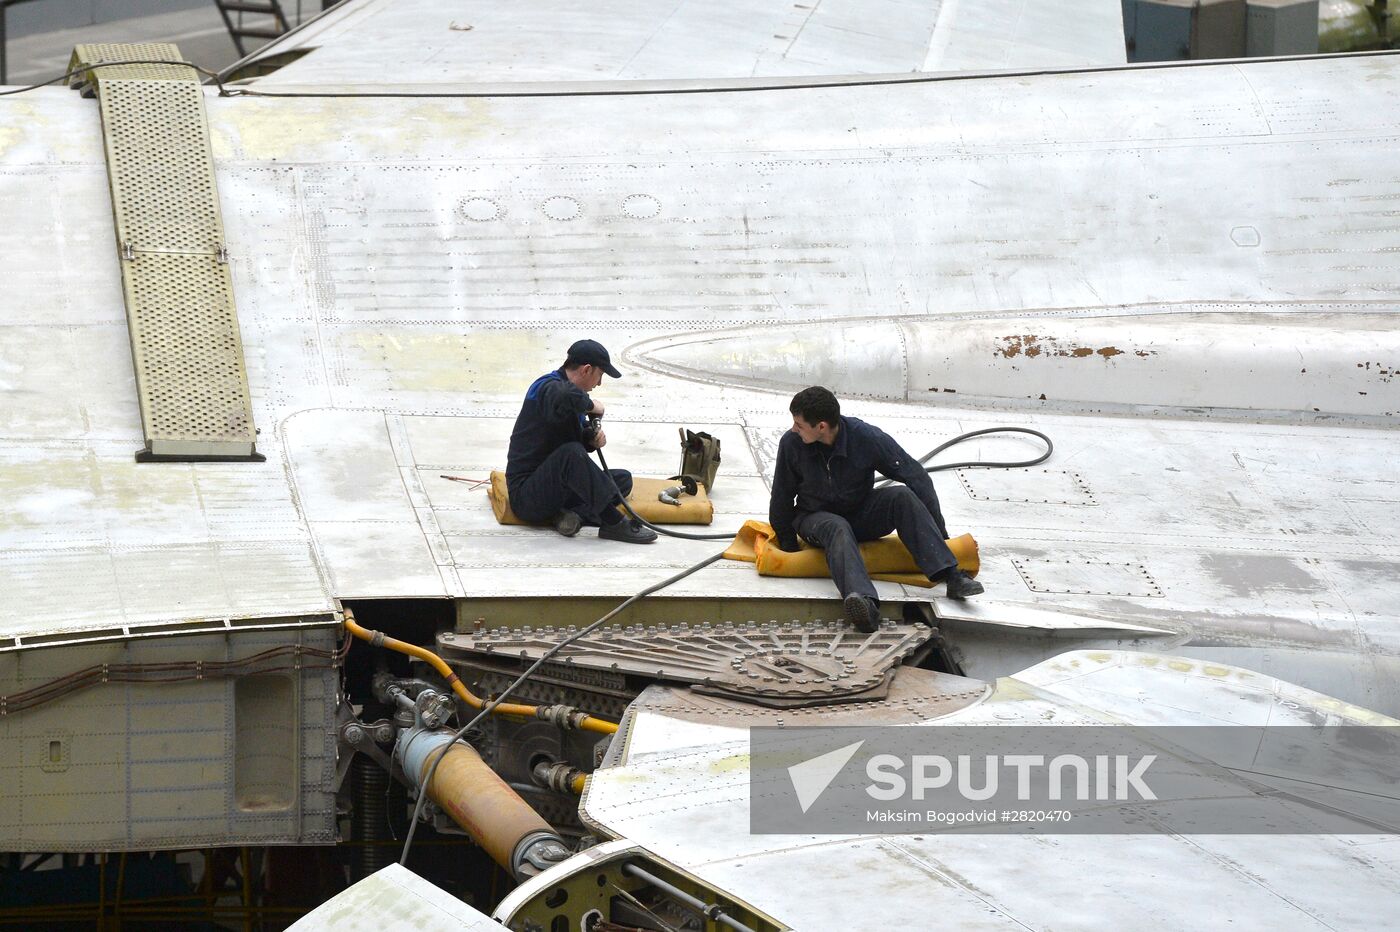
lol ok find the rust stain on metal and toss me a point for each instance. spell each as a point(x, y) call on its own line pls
point(1385, 374)
point(1012, 347)
point(1031, 345)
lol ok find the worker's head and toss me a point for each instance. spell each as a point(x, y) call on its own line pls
point(587, 363)
point(816, 415)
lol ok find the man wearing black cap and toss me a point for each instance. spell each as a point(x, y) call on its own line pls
point(549, 473)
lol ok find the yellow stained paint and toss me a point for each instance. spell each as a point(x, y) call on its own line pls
point(19, 115)
point(1356, 714)
point(9, 136)
point(731, 763)
point(1100, 656)
point(1010, 690)
point(120, 488)
point(292, 129)
point(449, 362)
point(1217, 671)
point(1181, 666)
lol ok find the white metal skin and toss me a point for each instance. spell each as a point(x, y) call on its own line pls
point(427, 43)
point(1309, 364)
point(682, 792)
point(403, 268)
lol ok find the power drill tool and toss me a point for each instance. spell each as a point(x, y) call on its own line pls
point(672, 495)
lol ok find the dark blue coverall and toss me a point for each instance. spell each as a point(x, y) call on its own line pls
point(548, 468)
point(837, 504)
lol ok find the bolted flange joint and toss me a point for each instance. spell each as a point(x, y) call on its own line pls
point(563, 716)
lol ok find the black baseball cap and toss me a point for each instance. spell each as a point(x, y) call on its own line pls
point(594, 354)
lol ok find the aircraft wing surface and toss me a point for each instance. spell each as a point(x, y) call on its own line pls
point(404, 268)
point(681, 791)
point(420, 42)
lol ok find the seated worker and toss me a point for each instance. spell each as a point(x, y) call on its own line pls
point(827, 463)
point(549, 474)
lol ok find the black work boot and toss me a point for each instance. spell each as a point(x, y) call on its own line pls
point(567, 523)
point(960, 585)
point(629, 531)
point(863, 613)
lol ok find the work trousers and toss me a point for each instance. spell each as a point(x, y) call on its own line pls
point(568, 479)
point(893, 508)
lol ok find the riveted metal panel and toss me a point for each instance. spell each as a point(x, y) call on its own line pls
point(185, 342)
point(1088, 577)
point(1043, 486)
point(168, 762)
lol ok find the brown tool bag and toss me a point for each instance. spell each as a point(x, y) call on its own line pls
point(699, 457)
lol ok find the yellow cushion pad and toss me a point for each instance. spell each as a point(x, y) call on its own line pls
point(887, 558)
point(693, 509)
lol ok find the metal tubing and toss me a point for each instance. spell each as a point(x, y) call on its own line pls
point(379, 639)
point(710, 910)
point(473, 794)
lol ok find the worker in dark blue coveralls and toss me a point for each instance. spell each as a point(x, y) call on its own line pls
point(824, 490)
point(549, 473)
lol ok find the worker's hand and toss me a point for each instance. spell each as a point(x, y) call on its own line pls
point(600, 439)
point(597, 409)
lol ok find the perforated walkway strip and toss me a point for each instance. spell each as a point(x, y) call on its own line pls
point(190, 373)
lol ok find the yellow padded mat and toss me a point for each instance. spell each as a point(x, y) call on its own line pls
point(693, 509)
point(885, 559)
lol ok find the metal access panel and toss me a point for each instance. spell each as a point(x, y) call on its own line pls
point(1027, 486)
point(185, 340)
point(1088, 577)
point(794, 660)
point(110, 761)
point(1281, 27)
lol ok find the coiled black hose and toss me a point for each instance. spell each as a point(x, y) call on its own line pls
point(960, 438)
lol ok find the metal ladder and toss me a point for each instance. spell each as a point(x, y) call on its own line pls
point(233, 10)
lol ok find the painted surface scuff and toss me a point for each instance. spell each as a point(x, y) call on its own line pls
point(1032, 346)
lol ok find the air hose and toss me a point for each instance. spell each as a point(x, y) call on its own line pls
point(491, 706)
point(379, 639)
point(981, 464)
point(486, 708)
point(975, 464)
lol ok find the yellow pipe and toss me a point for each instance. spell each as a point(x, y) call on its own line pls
point(589, 723)
point(578, 784)
point(480, 802)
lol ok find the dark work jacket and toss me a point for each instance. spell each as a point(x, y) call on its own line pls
point(838, 478)
point(552, 415)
